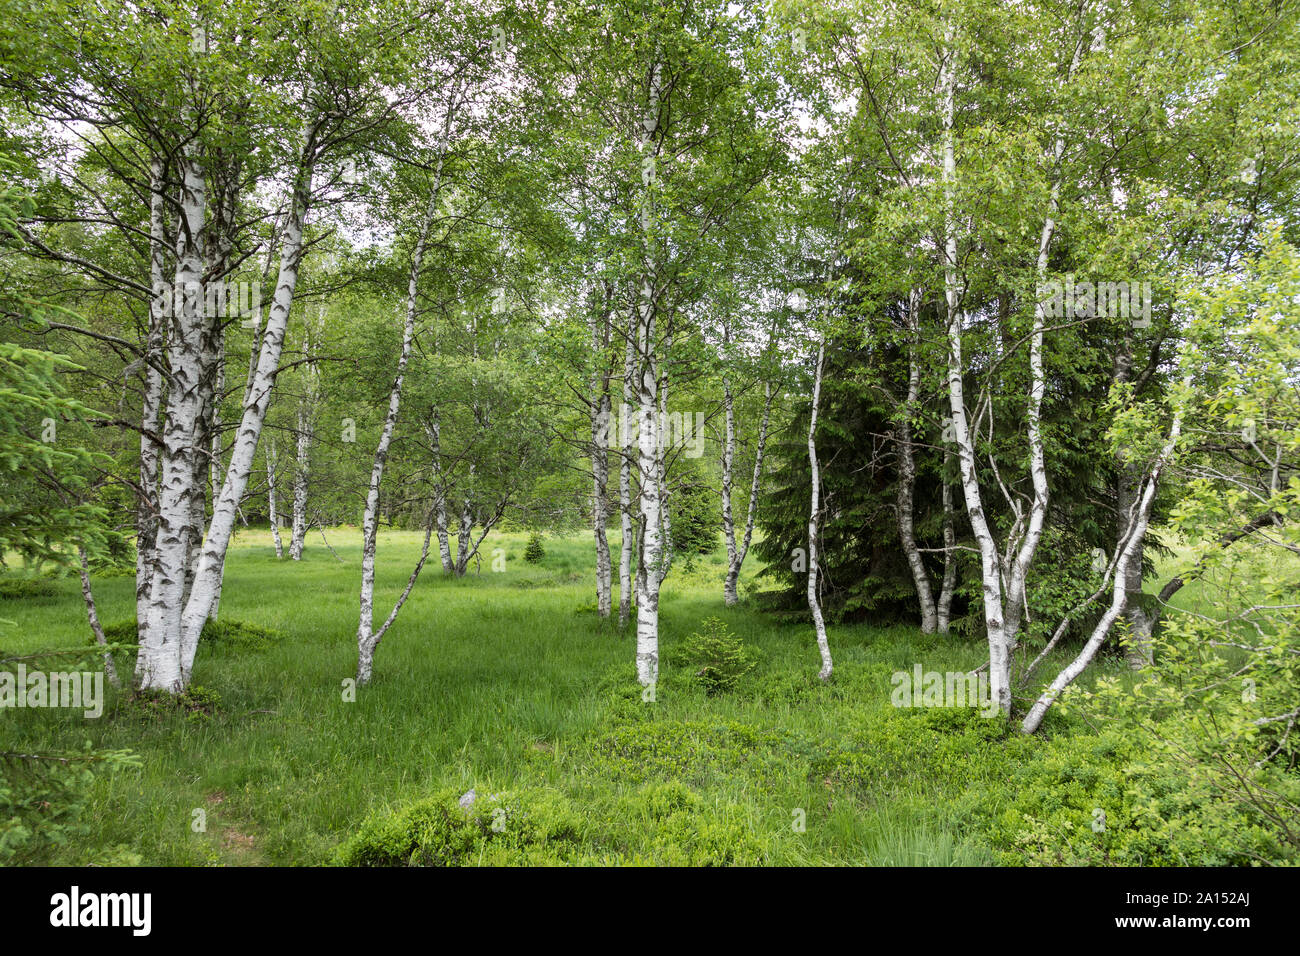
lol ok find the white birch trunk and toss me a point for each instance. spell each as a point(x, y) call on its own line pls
point(728, 460)
point(990, 560)
point(814, 601)
point(306, 434)
point(600, 412)
point(444, 542)
point(649, 452)
point(907, 479)
point(367, 639)
point(736, 554)
point(92, 615)
point(151, 408)
point(254, 415)
point(302, 465)
point(198, 499)
point(464, 536)
point(751, 512)
point(626, 592)
point(214, 437)
point(661, 475)
point(434, 430)
point(1024, 556)
point(160, 664)
point(270, 500)
point(366, 660)
point(943, 611)
point(215, 353)
point(1119, 588)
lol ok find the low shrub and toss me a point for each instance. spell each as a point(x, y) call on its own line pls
point(27, 589)
point(716, 657)
point(510, 828)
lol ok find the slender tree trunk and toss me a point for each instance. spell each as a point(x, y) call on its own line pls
point(1141, 624)
point(907, 477)
point(465, 534)
point(661, 474)
point(434, 430)
point(306, 434)
point(198, 518)
point(649, 451)
point(729, 587)
point(92, 614)
point(270, 499)
point(728, 459)
point(943, 611)
point(1119, 589)
point(990, 560)
point(464, 537)
point(444, 544)
point(626, 593)
point(214, 447)
point(814, 601)
point(600, 413)
point(367, 640)
point(302, 467)
point(215, 373)
point(366, 655)
point(151, 409)
point(207, 457)
point(1019, 571)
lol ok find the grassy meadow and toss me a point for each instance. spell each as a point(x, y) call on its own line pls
point(509, 684)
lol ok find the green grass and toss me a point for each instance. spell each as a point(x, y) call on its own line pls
point(509, 682)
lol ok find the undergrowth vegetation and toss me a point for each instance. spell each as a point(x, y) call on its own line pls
point(507, 685)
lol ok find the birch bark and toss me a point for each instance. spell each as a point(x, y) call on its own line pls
point(990, 560)
point(306, 434)
point(728, 459)
point(227, 210)
point(1024, 556)
point(625, 590)
point(270, 499)
point(1119, 588)
point(814, 601)
point(434, 431)
point(661, 471)
point(464, 535)
point(907, 476)
point(92, 615)
point(648, 442)
point(600, 412)
point(151, 406)
point(367, 639)
point(736, 554)
point(160, 663)
point(943, 611)
point(254, 412)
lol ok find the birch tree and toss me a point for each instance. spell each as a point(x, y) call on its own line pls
point(271, 503)
point(737, 551)
point(600, 435)
point(649, 456)
point(304, 435)
point(814, 599)
point(907, 478)
point(367, 638)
